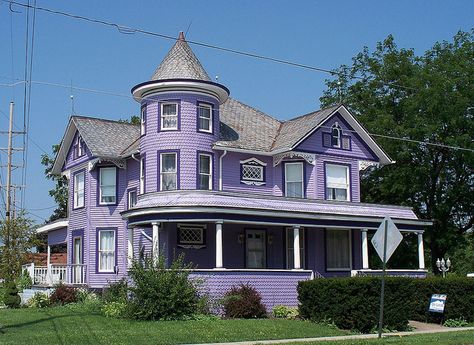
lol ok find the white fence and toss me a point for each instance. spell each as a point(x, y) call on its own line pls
point(55, 274)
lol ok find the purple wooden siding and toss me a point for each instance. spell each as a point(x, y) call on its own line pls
point(57, 236)
point(71, 161)
point(276, 288)
point(231, 174)
point(314, 143)
point(187, 140)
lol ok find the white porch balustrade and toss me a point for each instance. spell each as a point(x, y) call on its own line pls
point(54, 274)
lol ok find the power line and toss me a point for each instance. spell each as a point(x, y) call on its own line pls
point(124, 29)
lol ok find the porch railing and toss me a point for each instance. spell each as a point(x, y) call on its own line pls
point(55, 274)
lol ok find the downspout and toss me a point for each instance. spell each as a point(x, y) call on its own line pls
point(220, 169)
point(133, 157)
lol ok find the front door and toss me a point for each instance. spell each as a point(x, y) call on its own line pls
point(255, 249)
point(77, 261)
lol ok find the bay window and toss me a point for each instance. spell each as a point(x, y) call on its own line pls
point(79, 189)
point(294, 180)
point(337, 182)
point(169, 116)
point(107, 185)
point(168, 171)
point(338, 250)
point(204, 171)
point(106, 250)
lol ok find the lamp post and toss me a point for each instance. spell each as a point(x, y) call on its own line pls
point(443, 266)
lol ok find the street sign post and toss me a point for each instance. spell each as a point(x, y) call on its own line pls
point(385, 241)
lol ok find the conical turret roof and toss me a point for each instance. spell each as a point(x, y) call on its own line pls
point(180, 63)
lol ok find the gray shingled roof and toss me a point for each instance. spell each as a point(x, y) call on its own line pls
point(106, 138)
point(247, 128)
point(180, 63)
point(293, 130)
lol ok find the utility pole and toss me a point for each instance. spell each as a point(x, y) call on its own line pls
point(9, 164)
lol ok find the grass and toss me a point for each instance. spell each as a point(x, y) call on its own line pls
point(60, 325)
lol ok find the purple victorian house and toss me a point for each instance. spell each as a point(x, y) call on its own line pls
point(247, 198)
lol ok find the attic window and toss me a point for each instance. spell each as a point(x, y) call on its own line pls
point(80, 151)
point(252, 172)
point(336, 135)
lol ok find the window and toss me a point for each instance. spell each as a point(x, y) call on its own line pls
point(79, 189)
point(337, 182)
point(132, 198)
point(168, 171)
point(169, 116)
point(106, 252)
point(255, 247)
point(338, 250)
point(252, 172)
point(336, 135)
point(205, 117)
point(190, 235)
point(290, 257)
point(143, 121)
point(79, 147)
point(142, 175)
point(205, 171)
point(294, 180)
point(108, 182)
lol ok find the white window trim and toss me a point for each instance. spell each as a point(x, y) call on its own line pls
point(348, 179)
point(143, 121)
point(302, 178)
point(254, 163)
point(328, 269)
point(99, 251)
point(302, 246)
point(162, 128)
point(100, 186)
point(76, 190)
point(210, 169)
point(80, 147)
point(339, 135)
point(211, 124)
point(161, 169)
point(129, 198)
point(142, 175)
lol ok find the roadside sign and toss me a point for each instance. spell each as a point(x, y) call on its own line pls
point(394, 237)
point(437, 303)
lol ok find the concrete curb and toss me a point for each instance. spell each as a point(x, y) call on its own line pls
point(341, 337)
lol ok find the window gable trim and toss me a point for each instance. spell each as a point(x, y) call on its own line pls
point(211, 107)
point(99, 186)
point(98, 270)
point(161, 105)
point(75, 205)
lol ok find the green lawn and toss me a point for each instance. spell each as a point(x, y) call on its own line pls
point(62, 326)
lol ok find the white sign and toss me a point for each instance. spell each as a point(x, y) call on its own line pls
point(437, 303)
point(394, 237)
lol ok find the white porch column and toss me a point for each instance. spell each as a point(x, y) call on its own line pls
point(296, 247)
point(48, 266)
point(130, 247)
point(219, 256)
point(365, 249)
point(156, 241)
point(421, 252)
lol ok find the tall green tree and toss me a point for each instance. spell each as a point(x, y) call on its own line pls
point(60, 190)
point(428, 98)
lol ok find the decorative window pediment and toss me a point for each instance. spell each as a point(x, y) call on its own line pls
point(308, 157)
point(252, 172)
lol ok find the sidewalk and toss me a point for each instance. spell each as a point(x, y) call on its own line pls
point(423, 329)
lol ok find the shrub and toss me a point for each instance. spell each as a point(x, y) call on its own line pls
point(455, 323)
point(39, 300)
point(158, 293)
point(284, 312)
point(24, 281)
point(114, 309)
point(244, 302)
point(63, 294)
point(116, 291)
point(11, 297)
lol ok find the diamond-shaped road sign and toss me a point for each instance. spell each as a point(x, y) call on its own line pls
point(394, 237)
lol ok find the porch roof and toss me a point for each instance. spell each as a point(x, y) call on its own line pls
point(300, 211)
point(56, 225)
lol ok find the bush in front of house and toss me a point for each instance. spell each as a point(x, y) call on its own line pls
point(160, 293)
point(353, 303)
point(243, 302)
point(24, 281)
point(284, 312)
point(63, 294)
point(114, 309)
point(116, 291)
point(39, 300)
point(10, 295)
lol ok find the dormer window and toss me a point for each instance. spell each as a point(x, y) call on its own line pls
point(204, 117)
point(80, 150)
point(252, 172)
point(169, 116)
point(143, 121)
point(336, 132)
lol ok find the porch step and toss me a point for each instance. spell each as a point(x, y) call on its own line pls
point(27, 294)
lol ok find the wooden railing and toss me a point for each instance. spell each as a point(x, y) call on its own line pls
point(55, 274)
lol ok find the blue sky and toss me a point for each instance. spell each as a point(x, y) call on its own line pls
point(67, 51)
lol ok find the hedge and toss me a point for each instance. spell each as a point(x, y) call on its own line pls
point(353, 303)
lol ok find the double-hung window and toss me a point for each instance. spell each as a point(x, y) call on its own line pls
point(143, 121)
point(294, 180)
point(168, 171)
point(169, 116)
point(79, 189)
point(337, 182)
point(132, 198)
point(142, 175)
point(108, 185)
point(338, 250)
point(204, 117)
point(205, 171)
point(106, 250)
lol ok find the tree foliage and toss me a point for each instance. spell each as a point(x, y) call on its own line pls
point(428, 98)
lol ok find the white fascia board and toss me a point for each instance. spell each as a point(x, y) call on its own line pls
point(52, 226)
point(64, 147)
point(232, 149)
